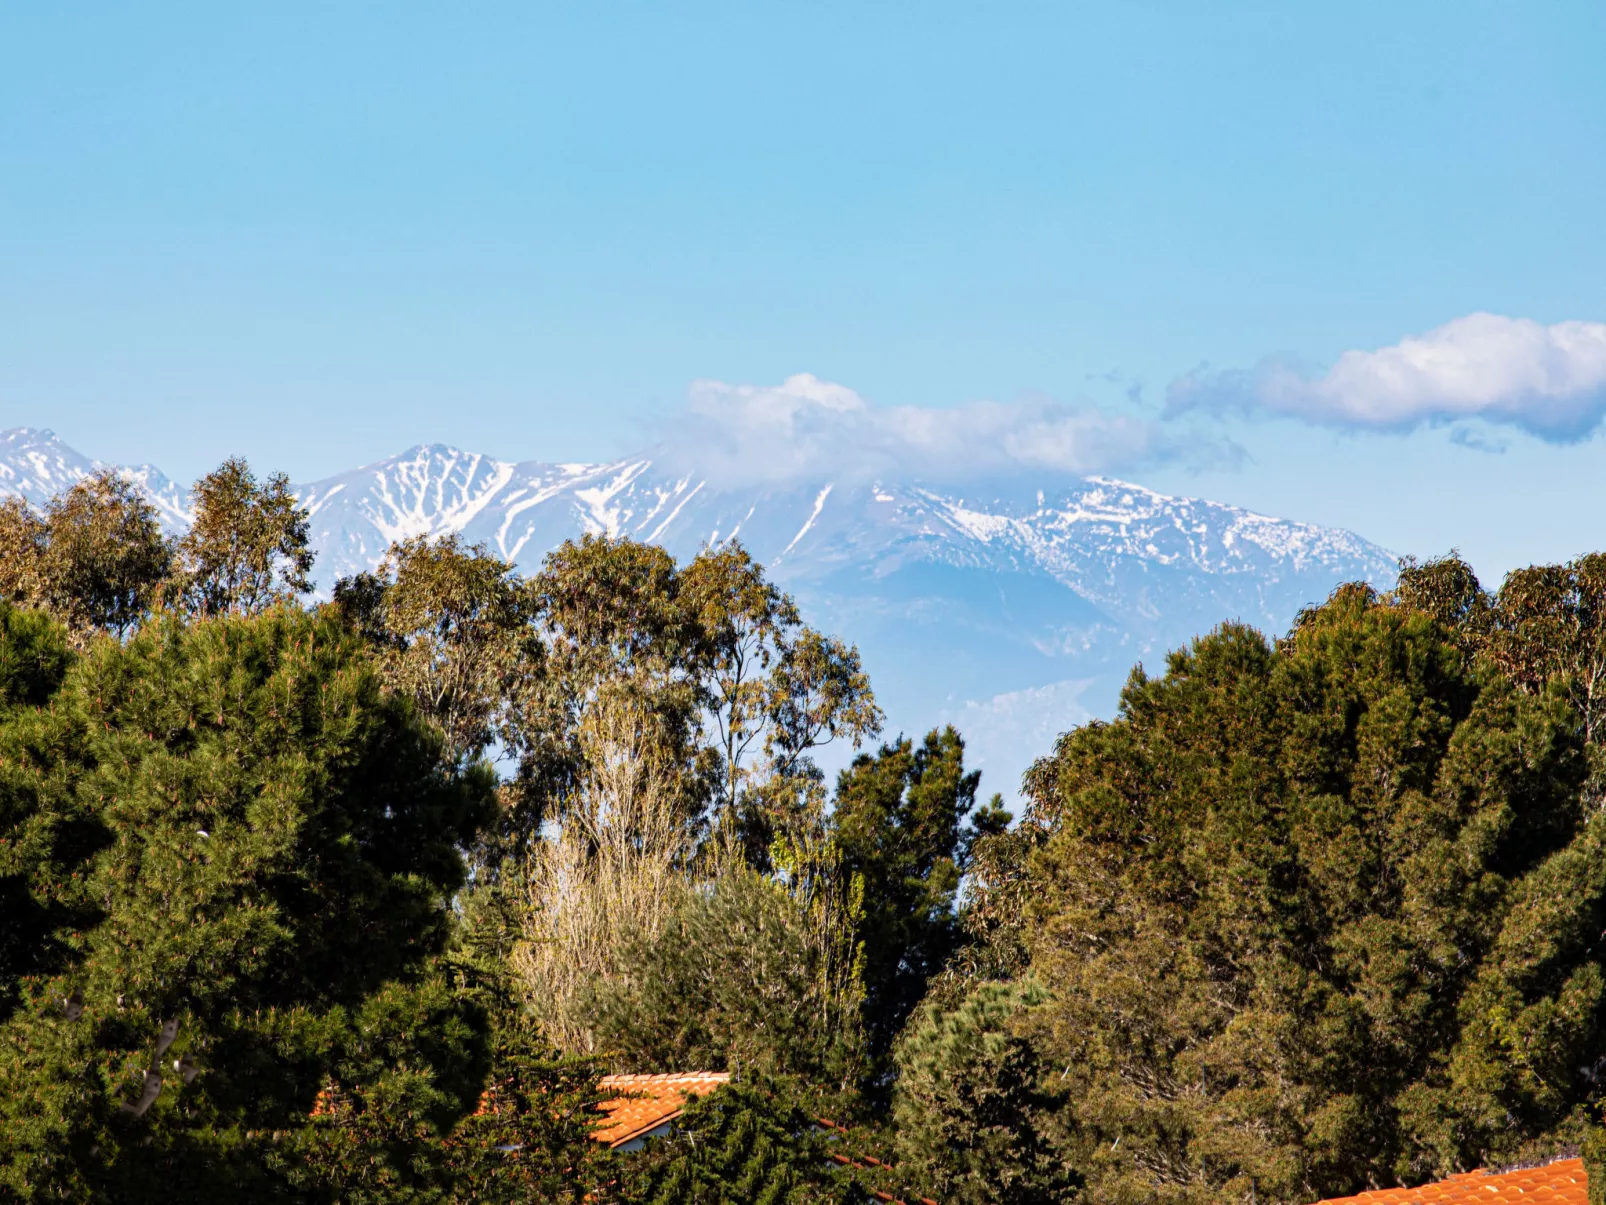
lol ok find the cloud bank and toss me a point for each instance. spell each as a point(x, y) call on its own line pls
point(1547, 380)
point(806, 428)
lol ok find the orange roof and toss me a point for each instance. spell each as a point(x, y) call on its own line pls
point(647, 1101)
point(1561, 1182)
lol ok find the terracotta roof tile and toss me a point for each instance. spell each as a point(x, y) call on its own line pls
point(1561, 1182)
point(645, 1102)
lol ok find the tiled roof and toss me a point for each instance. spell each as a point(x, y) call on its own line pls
point(1561, 1182)
point(645, 1102)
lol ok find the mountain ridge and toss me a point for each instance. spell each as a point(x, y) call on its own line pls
point(1006, 594)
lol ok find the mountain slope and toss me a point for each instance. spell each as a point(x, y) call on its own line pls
point(1012, 608)
point(36, 465)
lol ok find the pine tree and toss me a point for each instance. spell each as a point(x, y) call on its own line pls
point(44, 838)
point(529, 1139)
point(900, 822)
point(261, 922)
point(1593, 1150)
point(1319, 915)
point(748, 1143)
point(973, 1122)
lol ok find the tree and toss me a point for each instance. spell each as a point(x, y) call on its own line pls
point(262, 921)
point(1544, 629)
point(1593, 1150)
point(744, 691)
point(770, 685)
point(747, 1143)
point(44, 837)
point(611, 874)
point(22, 545)
point(900, 821)
point(454, 630)
point(247, 545)
point(665, 709)
point(529, 1139)
point(992, 917)
point(612, 609)
point(95, 557)
point(618, 642)
point(1550, 628)
point(973, 1122)
point(1317, 916)
point(743, 623)
point(737, 978)
point(454, 626)
point(721, 652)
point(1446, 589)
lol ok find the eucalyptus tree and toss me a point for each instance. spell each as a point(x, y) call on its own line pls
point(247, 547)
point(94, 556)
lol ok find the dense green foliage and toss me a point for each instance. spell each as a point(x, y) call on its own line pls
point(733, 981)
point(899, 819)
point(972, 1116)
point(95, 557)
point(42, 838)
point(747, 1144)
point(531, 1138)
point(257, 845)
point(1319, 915)
point(1309, 915)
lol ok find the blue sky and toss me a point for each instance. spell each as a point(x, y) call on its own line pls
point(317, 234)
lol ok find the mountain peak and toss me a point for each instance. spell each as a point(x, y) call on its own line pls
point(436, 451)
point(36, 465)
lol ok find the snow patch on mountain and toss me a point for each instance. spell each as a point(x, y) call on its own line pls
point(35, 465)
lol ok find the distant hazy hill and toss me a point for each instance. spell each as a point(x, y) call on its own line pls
point(1014, 611)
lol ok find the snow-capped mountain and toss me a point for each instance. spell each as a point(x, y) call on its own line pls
point(35, 465)
point(1014, 609)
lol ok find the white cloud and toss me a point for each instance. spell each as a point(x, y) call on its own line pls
point(1549, 380)
point(809, 428)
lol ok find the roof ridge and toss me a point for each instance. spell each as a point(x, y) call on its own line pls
point(1566, 1152)
point(664, 1077)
